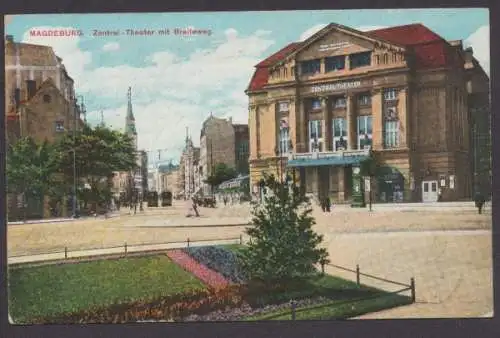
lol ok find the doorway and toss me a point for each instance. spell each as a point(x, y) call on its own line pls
point(430, 191)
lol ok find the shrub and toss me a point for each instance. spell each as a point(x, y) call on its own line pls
point(221, 260)
point(283, 245)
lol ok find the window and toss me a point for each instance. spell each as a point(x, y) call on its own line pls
point(292, 71)
point(284, 139)
point(316, 104)
point(391, 134)
point(334, 63)
point(46, 98)
point(394, 58)
point(310, 67)
point(365, 99)
point(59, 126)
point(364, 132)
point(390, 94)
point(377, 59)
point(339, 134)
point(339, 102)
point(386, 58)
point(242, 151)
point(360, 60)
point(283, 106)
point(315, 135)
point(31, 88)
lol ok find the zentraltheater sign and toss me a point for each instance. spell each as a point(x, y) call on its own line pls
point(338, 86)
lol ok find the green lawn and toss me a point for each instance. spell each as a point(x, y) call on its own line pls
point(57, 289)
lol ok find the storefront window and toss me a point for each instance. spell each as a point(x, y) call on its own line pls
point(339, 134)
point(315, 135)
point(364, 132)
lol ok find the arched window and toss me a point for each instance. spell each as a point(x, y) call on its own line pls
point(386, 58)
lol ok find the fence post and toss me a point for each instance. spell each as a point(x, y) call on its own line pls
point(294, 306)
point(188, 242)
point(125, 248)
point(357, 274)
point(412, 286)
point(65, 252)
point(241, 239)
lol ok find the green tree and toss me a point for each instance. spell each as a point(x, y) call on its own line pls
point(99, 152)
point(31, 169)
point(222, 172)
point(283, 246)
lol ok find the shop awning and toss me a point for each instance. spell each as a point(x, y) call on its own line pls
point(328, 161)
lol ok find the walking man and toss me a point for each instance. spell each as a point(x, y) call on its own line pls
point(480, 201)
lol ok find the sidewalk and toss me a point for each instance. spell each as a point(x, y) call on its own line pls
point(59, 256)
point(61, 220)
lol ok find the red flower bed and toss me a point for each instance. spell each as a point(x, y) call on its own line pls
point(212, 278)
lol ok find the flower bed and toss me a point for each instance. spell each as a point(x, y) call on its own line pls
point(219, 259)
point(212, 278)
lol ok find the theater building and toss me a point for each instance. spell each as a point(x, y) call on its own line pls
point(397, 97)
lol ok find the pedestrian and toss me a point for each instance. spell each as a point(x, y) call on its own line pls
point(195, 208)
point(480, 201)
point(328, 204)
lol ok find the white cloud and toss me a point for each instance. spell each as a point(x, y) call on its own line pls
point(480, 43)
point(311, 31)
point(111, 46)
point(174, 92)
point(66, 48)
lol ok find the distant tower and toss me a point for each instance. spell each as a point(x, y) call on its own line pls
point(130, 119)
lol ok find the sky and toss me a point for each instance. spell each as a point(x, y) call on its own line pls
point(177, 81)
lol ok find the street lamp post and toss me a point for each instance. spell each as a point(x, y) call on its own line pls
point(74, 163)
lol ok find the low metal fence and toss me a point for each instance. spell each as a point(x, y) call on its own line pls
point(129, 248)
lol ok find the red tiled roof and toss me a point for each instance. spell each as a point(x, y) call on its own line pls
point(282, 53)
point(430, 49)
point(408, 35)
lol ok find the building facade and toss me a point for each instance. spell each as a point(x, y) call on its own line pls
point(395, 97)
point(40, 102)
point(191, 169)
point(241, 148)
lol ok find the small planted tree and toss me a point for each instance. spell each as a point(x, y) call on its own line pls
point(283, 246)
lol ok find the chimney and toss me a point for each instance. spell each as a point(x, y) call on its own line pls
point(468, 54)
point(9, 38)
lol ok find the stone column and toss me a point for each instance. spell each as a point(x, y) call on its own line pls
point(303, 123)
point(340, 184)
point(404, 120)
point(351, 123)
point(377, 118)
point(327, 124)
point(293, 123)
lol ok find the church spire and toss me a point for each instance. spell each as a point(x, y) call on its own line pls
point(130, 119)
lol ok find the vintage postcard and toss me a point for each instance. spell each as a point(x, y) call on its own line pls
point(248, 166)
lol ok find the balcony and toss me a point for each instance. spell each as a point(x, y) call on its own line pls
point(330, 158)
